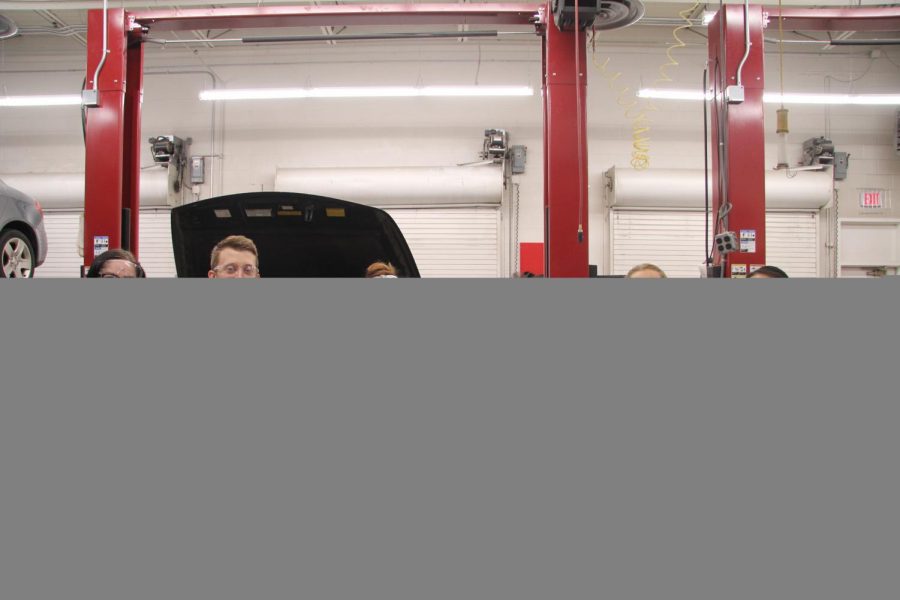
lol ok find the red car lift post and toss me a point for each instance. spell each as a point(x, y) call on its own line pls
point(112, 151)
point(743, 123)
point(741, 157)
point(565, 152)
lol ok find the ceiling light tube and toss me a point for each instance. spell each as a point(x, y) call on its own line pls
point(865, 99)
point(56, 100)
point(367, 92)
point(789, 98)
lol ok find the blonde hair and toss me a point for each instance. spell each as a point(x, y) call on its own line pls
point(380, 269)
point(646, 267)
point(235, 242)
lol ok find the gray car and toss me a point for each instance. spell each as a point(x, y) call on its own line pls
point(23, 241)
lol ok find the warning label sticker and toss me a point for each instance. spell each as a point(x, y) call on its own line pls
point(738, 271)
point(748, 240)
point(101, 244)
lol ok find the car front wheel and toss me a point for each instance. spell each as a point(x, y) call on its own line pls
point(16, 255)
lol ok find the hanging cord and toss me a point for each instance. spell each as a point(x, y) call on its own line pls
point(747, 42)
point(678, 43)
point(516, 231)
point(84, 114)
point(635, 111)
point(105, 48)
point(781, 52)
point(837, 231)
point(705, 169)
point(722, 153)
point(578, 126)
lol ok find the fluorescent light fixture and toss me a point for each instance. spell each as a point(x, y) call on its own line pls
point(775, 98)
point(367, 92)
point(58, 100)
point(670, 94)
point(866, 99)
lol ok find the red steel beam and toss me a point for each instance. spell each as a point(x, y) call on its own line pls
point(836, 19)
point(357, 14)
point(131, 166)
point(105, 149)
point(565, 153)
point(743, 164)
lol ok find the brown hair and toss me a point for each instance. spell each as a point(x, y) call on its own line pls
point(235, 242)
point(380, 269)
point(646, 267)
point(770, 272)
point(115, 254)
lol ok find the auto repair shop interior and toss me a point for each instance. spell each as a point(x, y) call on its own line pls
point(460, 121)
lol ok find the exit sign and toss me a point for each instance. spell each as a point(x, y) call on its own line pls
point(872, 198)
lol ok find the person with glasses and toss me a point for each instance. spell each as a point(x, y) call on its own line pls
point(116, 264)
point(234, 257)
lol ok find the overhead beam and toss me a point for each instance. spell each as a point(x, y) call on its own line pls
point(836, 19)
point(357, 14)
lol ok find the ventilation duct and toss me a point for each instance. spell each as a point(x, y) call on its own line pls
point(683, 189)
point(65, 191)
point(398, 186)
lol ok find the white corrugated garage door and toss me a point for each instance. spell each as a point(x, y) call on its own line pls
point(676, 241)
point(446, 242)
point(452, 242)
point(157, 256)
point(62, 244)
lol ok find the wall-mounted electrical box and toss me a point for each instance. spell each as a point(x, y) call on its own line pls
point(841, 162)
point(197, 169)
point(517, 156)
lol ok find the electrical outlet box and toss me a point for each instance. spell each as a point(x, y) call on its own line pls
point(90, 98)
point(734, 94)
point(517, 154)
point(727, 242)
point(197, 169)
point(841, 163)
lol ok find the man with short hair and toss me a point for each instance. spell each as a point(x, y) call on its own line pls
point(646, 271)
point(768, 272)
point(234, 257)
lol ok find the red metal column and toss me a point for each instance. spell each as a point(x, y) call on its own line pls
point(740, 157)
point(131, 170)
point(104, 134)
point(565, 153)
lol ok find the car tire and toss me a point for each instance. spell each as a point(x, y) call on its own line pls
point(17, 259)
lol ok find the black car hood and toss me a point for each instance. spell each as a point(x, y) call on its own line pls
point(298, 235)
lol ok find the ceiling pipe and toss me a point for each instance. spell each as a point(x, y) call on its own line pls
point(835, 42)
point(142, 4)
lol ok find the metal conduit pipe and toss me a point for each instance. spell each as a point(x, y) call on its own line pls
point(890, 42)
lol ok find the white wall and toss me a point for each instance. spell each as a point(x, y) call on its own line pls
point(253, 139)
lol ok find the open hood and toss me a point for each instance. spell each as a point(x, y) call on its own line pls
point(298, 235)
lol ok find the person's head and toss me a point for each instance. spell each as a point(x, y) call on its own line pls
point(768, 272)
point(378, 270)
point(234, 257)
point(646, 271)
point(116, 264)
